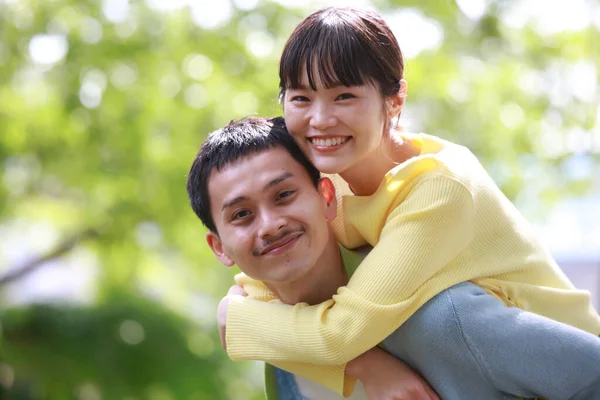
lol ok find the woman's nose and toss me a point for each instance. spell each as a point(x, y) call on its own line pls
point(322, 117)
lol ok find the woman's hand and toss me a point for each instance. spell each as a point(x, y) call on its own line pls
point(385, 377)
point(234, 292)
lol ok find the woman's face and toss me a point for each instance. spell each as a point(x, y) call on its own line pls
point(338, 128)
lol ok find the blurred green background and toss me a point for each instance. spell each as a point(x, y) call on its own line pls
point(107, 288)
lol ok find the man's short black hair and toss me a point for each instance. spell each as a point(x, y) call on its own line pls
point(238, 139)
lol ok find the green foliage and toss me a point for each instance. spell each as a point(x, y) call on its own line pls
point(125, 347)
point(103, 138)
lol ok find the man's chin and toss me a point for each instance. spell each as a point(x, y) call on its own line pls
point(290, 275)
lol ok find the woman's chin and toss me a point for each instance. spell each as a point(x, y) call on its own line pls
point(328, 165)
point(328, 168)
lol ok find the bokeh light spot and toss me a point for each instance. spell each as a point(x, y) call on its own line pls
point(197, 66)
point(48, 49)
point(196, 96)
point(132, 332)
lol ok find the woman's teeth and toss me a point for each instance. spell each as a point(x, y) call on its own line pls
point(328, 142)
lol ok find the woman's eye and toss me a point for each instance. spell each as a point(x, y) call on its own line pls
point(300, 99)
point(345, 96)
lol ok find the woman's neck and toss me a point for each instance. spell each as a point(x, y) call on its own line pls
point(365, 177)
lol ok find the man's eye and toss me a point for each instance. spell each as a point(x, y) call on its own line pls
point(285, 194)
point(345, 96)
point(240, 215)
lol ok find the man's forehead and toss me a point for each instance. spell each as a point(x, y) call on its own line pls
point(251, 174)
point(260, 163)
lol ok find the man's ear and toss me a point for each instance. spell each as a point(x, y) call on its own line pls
point(395, 102)
point(327, 190)
point(214, 242)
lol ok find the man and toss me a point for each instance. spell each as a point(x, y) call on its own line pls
point(267, 211)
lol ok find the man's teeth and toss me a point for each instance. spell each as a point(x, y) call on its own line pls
point(328, 142)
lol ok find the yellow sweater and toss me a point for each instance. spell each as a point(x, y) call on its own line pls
point(257, 290)
point(436, 220)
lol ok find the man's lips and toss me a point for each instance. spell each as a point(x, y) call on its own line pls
point(281, 243)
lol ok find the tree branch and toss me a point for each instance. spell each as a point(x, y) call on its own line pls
point(66, 246)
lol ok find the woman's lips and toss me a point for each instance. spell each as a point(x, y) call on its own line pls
point(328, 144)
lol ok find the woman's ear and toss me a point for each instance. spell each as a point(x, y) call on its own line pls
point(215, 244)
point(395, 102)
point(327, 190)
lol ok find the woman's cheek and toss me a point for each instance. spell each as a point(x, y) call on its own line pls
point(294, 129)
point(292, 115)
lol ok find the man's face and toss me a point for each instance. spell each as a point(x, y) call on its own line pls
point(272, 221)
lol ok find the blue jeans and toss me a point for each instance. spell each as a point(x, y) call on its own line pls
point(468, 345)
point(287, 388)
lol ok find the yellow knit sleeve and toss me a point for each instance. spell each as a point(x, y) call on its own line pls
point(331, 376)
point(431, 227)
point(255, 289)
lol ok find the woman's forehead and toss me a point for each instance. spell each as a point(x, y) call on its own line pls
point(321, 72)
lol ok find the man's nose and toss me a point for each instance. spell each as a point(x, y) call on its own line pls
point(271, 224)
point(322, 117)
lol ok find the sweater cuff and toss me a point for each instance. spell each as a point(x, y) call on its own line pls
point(349, 383)
point(235, 332)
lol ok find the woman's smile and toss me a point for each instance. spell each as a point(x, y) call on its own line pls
point(327, 144)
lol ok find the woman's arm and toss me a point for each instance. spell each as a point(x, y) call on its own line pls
point(385, 377)
point(330, 376)
point(423, 234)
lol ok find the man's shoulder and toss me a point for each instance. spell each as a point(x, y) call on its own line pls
point(353, 257)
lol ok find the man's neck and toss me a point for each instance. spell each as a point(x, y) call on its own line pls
point(320, 284)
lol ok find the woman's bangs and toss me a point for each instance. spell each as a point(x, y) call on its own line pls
point(328, 58)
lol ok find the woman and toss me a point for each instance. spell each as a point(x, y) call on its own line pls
point(441, 230)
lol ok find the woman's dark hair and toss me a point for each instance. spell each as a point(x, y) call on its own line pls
point(344, 46)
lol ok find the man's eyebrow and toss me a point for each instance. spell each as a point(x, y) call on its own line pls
point(278, 180)
point(270, 184)
point(233, 202)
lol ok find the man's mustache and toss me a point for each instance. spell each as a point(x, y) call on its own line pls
point(258, 250)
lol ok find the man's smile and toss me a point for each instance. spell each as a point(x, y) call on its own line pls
point(281, 245)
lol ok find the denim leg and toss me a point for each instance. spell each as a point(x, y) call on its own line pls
point(431, 342)
point(287, 388)
point(591, 392)
point(467, 344)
